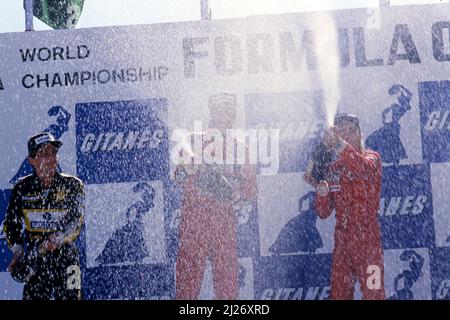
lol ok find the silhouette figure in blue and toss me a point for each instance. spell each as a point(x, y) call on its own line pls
point(448, 239)
point(386, 140)
point(58, 129)
point(127, 243)
point(300, 233)
point(410, 276)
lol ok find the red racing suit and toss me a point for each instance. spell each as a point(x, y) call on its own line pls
point(354, 181)
point(208, 227)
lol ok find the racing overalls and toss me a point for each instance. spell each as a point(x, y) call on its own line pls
point(208, 226)
point(354, 189)
point(59, 210)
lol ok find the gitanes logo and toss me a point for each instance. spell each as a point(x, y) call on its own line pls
point(409, 205)
point(406, 207)
point(435, 121)
point(300, 125)
point(111, 141)
point(122, 141)
point(443, 290)
point(438, 120)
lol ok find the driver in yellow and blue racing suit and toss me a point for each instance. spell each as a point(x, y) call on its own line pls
point(49, 206)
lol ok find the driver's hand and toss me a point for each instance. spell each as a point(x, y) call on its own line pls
point(330, 138)
point(322, 189)
point(52, 243)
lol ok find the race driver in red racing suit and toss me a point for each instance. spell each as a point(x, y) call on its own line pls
point(353, 188)
point(208, 226)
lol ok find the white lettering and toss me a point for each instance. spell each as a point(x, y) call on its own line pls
point(112, 141)
point(444, 287)
point(74, 277)
point(374, 279)
point(402, 205)
point(87, 142)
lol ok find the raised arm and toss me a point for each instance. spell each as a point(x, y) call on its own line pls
point(365, 166)
point(325, 202)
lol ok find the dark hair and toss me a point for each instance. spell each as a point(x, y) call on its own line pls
point(346, 118)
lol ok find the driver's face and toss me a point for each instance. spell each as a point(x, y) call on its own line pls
point(222, 117)
point(348, 132)
point(45, 161)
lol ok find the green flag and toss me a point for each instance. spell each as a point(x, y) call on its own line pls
point(58, 14)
